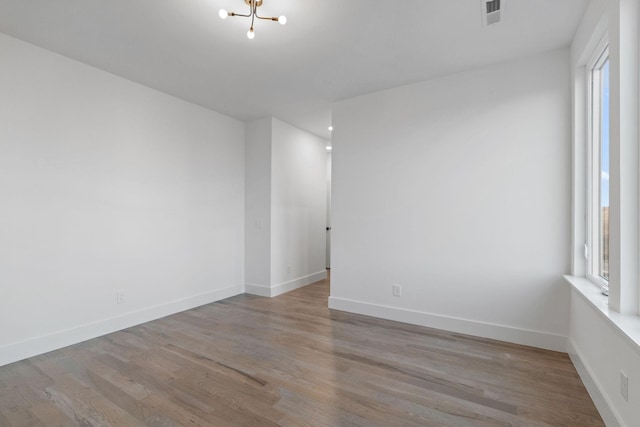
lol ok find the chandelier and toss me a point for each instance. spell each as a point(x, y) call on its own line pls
point(253, 14)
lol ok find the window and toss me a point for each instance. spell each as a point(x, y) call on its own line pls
point(598, 220)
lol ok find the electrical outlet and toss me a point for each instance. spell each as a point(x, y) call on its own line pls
point(119, 297)
point(397, 290)
point(624, 386)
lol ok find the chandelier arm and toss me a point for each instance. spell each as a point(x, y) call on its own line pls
point(275, 18)
point(254, 9)
point(238, 14)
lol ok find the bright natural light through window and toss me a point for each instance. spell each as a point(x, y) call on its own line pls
point(599, 169)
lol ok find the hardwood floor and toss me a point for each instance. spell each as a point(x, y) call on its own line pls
point(290, 361)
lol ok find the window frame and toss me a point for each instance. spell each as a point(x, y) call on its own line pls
point(594, 131)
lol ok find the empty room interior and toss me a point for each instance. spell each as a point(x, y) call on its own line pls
point(320, 213)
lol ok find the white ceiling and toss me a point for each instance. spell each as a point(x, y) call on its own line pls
point(329, 50)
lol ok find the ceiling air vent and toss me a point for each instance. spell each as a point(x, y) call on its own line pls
point(491, 12)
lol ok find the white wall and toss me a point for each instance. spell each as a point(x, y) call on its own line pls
point(286, 207)
point(328, 252)
point(108, 186)
point(600, 351)
point(597, 344)
point(258, 203)
point(298, 207)
point(458, 189)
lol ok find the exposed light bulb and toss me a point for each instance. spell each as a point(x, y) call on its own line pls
point(223, 14)
point(330, 128)
point(250, 34)
point(282, 20)
point(328, 148)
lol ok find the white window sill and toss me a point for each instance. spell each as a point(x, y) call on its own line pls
point(628, 325)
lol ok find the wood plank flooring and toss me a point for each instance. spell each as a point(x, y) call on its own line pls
point(290, 361)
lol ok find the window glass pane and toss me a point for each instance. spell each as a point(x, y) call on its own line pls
point(604, 172)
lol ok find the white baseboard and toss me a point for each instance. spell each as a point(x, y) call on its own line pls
point(282, 288)
point(43, 344)
point(453, 324)
point(259, 290)
point(289, 286)
point(594, 388)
